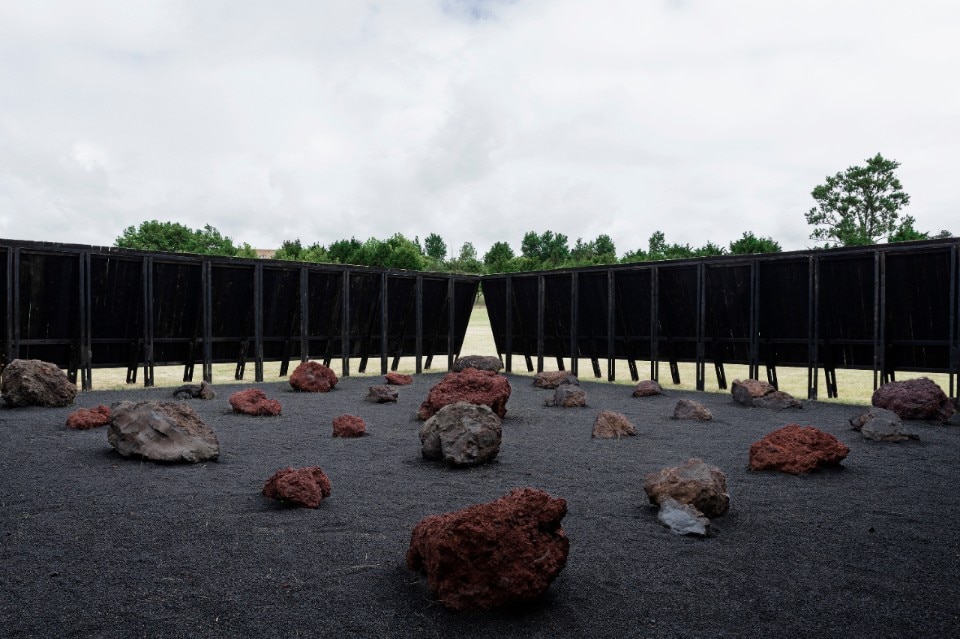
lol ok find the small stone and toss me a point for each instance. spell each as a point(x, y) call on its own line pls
point(32, 382)
point(313, 377)
point(682, 519)
point(568, 396)
point(610, 424)
point(87, 418)
point(382, 394)
point(797, 449)
point(689, 409)
point(550, 380)
point(648, 388)
point(701, 485)
point(399, 379)
point(480, 362)
point(254, 402)
point(349, 426)
point(300, 487)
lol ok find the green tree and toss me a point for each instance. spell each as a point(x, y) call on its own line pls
point(345, 251)
point(466, 261)
point(750, 244)
point(547, 250)
point(709, 250)
point(858, 206)
point(906, 233)
point(177, 238)
point(599, 251)
point(294, 250)
point(435, 247)
point(499, 259)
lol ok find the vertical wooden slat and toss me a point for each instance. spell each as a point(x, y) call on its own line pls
point(418, 349)
point(345, 324)
point(611, 326)
point(384, 322)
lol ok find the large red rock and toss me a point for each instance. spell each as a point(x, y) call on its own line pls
point(349, 426)
point(399, 379)
point(31, 382)
point(797, 449)
point(914, 399)
point(313, 377)
point(254, 402)
point(696, 483)
point(161, 431)
point(485, 556)
point(86, 418)
point(299, 486)
point(610, 424)
point(470, 385)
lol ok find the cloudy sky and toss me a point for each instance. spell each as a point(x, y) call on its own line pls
point(476, 120)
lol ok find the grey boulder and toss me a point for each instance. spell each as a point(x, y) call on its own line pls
point(462, 434)
point(161, 431)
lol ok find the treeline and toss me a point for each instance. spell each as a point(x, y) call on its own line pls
point(541, 251)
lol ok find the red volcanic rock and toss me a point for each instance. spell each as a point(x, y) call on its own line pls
point(797, 449)
point(696, 483)
point(610, 424)
point(488, 555)
point(914, 399)
point(552, 379)
point(313, 377)
point(470, 385)
point(648, 388)
point(253, 402)
point(349, 426)
point(382, 394)
point(31, 382)
point(301, 486)
point(399, 379)
point(86, 418)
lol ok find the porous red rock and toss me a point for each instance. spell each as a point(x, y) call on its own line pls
point(462, 434)
point(299, 486)
point(87, 418)
point(797, 449)
point(489, 555)
point(610, 424)
point(349, 426)
point(752, 392)
point(382, 394)
point(399, 379)
point(470, 385)
point(568, 396)
point(918, 398)
point(32, 382)
point(552, 379)
point(313, 377)
point(696, 483)
point(254, 402)
point(689, 409)
point(161, 431)
point(481, 362)
point(648, 388)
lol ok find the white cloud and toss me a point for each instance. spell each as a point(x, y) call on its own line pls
point(475, 120)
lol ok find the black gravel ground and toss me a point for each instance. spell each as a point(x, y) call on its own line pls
point(95, 545)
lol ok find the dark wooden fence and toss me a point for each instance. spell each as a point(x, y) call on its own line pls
point(883, 308)
point(85, 307)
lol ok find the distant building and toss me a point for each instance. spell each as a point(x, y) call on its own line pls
point(265, 254)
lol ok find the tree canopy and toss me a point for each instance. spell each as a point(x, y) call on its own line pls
point(177, 238)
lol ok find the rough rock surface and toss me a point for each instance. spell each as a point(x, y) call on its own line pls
point(462, 434)
point(87, 418)
point(489, 555)
point(203, 390)
point(313, 377)
point(568, 396)
point(399, 379)
point(470, 385)
point(797, 449)
point(610, 424)
point(480, 362)
point(880, 424)
point(31, 382)
point(918, 398)
point(298, 486)
point(161, 431)
point(682, 519)
point(648, 388)
point(382, 394)
point(552, 379)
point(689, 409)
point(752, 392)
point(254, 402)
point(349, 426)
point(696, 483)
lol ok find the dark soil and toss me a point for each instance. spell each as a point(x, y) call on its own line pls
point(96, 545)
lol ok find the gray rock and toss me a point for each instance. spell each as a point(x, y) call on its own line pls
point(682, 519)
point(161, 431)
point(382, 394)
point(568, 396)
point(31, 382)
point(481, 362)
point(880, 424)
point(462, 434)
point(648, 388)
point(610, 424)
point(689, 409)
point(701, 485)
point(203, 390)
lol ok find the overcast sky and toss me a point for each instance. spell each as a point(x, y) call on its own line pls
point(479, 121)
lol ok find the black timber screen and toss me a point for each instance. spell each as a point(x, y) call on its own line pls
point(885, 308)
point(85, 307)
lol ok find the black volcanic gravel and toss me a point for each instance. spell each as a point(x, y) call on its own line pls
point(96, 545)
